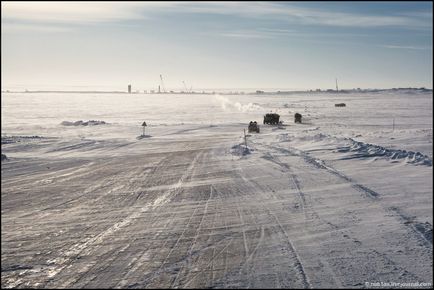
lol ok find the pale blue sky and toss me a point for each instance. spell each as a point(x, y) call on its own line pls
point(283, 45)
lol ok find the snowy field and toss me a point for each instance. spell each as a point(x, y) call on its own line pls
point(342, 200)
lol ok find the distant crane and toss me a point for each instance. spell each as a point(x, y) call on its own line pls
point(162, 84)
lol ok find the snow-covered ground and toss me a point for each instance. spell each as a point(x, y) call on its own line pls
point(341, 200)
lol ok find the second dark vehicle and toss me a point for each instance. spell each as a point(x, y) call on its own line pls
point(271, 118)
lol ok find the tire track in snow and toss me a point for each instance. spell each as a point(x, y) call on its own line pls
point(250, 260)
point(298, 265)
point(292, 255)
point(321, 164)
point(163, 268)
point(306, 208)
point(163, 263)
point(423, 231)
point(61, 262)
point(100, 186)
point(186, 259)
point(246, 247)
point(193, 244)
point(224, 249)
point(136, 263)
point(420, 231)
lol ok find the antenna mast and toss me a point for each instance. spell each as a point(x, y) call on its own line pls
point(337, 89)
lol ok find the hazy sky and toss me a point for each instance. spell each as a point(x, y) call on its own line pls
point(292, 45)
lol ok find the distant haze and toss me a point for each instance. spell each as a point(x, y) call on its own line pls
point(215, 45)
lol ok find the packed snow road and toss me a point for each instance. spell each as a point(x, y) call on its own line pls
point(184, 211)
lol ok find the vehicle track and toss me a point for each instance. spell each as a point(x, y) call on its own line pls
point(420, 231)
point(89, 244)
point(242, 232)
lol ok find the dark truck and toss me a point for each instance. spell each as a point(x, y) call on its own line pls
point(271, 118)
point(297, 118)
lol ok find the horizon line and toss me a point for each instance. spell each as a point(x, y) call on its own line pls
point(211, 91)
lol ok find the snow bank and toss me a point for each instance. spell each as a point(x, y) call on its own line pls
point(365, 150)
point(314, 138)
point(284, 137)
point(81, 123)
point(355, 149)
point(4, 157)
point(241, 150)
point(303, 138)
point(15, 139)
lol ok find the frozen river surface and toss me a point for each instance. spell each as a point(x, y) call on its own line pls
point(342, 200)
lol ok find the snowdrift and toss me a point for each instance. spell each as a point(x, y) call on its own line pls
point(358, 149)
point(15, 139)
point(241, 150)
point(82, 123)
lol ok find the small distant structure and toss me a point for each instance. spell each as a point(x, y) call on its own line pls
point(260, 92)
point(297, 118)
point(340, 105)
point(162, 84)
point(129, 89)
point(253, 127)
point(144, 126)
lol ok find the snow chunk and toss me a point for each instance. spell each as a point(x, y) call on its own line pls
point(241, 150)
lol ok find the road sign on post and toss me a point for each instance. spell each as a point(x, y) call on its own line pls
point(144, 125)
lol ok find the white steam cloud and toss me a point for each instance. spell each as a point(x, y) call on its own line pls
point(227, 104)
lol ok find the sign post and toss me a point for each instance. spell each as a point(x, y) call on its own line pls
point(245, 140)
point(144, 125)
